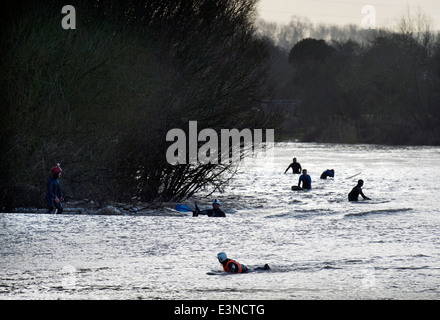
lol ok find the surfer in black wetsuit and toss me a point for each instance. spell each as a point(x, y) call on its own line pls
point(214, 212)
point(296, 167)
point(356, 191)
point(233, 266)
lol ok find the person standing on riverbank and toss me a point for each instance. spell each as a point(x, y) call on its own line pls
point(54, 193)
point(296, 167)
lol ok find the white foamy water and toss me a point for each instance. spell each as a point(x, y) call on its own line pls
point(318, 245)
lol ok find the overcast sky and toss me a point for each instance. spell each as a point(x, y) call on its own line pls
point(340, 12)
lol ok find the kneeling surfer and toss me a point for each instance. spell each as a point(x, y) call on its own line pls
point(214, 212)
point(306, 180)
point(356, 191)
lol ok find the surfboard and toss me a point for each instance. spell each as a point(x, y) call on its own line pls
point(266, 267)
point(296, 188)
point(217, 273)
point(182, 208)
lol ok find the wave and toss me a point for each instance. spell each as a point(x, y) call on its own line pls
point(377, 212)
point(316, 266)
point(302, 214)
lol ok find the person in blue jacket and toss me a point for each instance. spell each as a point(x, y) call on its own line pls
point(54, 193)
point(328, 173)
point(305, 180)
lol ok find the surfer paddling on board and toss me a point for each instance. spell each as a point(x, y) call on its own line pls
point(233, 266)
point(214, 212)
point(296, 167)
point(54, 194)
point(356, 191)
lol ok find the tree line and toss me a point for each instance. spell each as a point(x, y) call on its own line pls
point(382, 86)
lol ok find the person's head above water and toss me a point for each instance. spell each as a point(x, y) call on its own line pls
point(221, 256)
point(215, 204)
point(360, 183)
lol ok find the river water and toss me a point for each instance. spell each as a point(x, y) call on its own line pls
point(318, 245)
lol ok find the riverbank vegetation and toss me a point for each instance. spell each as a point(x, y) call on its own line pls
point(99, 99)
point(363, 86)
